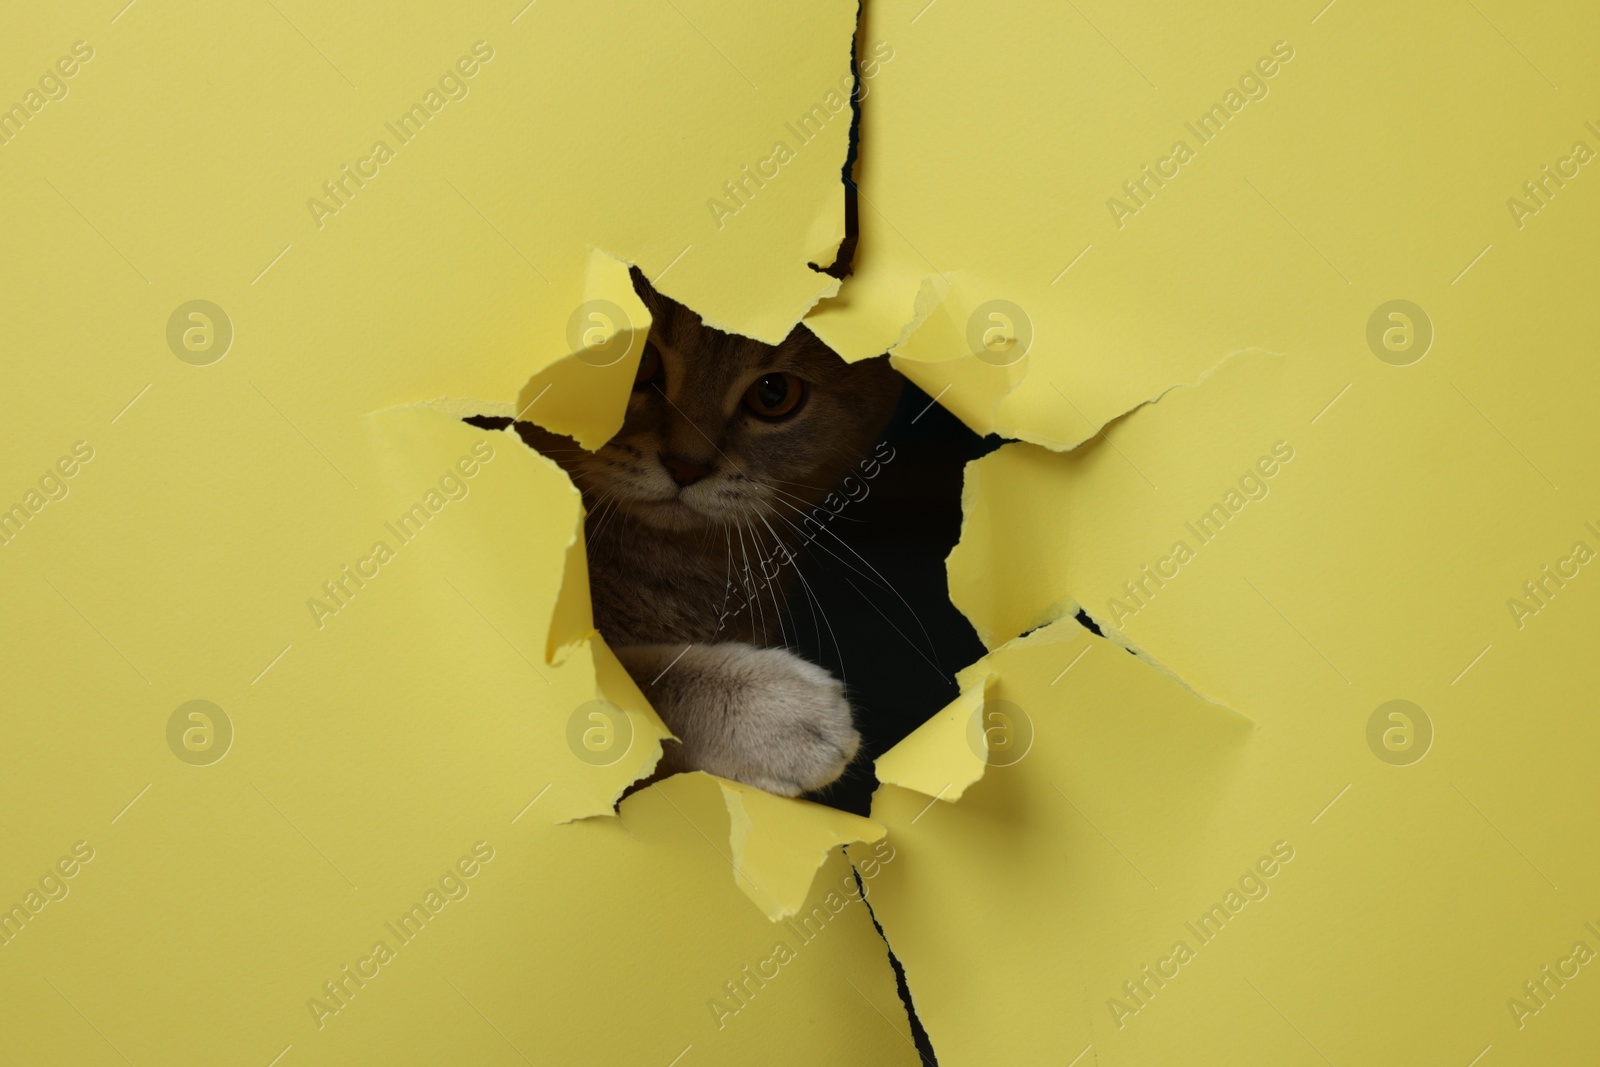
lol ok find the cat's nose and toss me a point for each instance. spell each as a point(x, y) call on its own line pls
point(684, 471)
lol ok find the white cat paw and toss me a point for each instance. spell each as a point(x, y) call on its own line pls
point(787, 726)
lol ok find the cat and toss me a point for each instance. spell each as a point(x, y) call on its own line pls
point(694, 512)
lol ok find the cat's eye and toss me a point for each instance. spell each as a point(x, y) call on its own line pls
point(649, 366)
point(776, 396)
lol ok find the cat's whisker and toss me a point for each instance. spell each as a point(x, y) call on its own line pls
point(780, 560)
point(846, 546)
point(816, 626)
point(755, 577)
point(759, 577)
point(883, 581)
point(874, 604)
point(750, 590)
point(816, 603)
point(803, 485)
point(593, 512)
point(727, 582)
point(788, 560)
point(614, 501)
point(808, 504)
point(770, 586)
point(744, 578)
point(712, 526)
point(615, 516)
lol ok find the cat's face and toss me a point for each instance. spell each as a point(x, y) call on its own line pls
point(723, 430)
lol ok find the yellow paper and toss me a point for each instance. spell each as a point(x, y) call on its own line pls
point(258, 742)
point(1382, 293)
point(1346, 325)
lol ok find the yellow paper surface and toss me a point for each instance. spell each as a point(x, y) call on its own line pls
point(1436, 465)
point(250, 340)
point(1423, 841)
point(240, 340)
point(1389, 501)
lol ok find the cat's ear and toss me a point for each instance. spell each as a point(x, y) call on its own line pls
point(885, 385)
point(646, 293)
point(668, 317)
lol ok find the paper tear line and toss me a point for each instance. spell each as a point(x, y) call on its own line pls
point(1100, 430)
point(1121, 640)
point(902, 980)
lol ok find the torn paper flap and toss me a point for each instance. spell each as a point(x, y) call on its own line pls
point(581, 391)
point(779, 843)
point(944, 755)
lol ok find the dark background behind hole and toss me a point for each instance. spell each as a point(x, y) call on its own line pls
point(879, 575)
